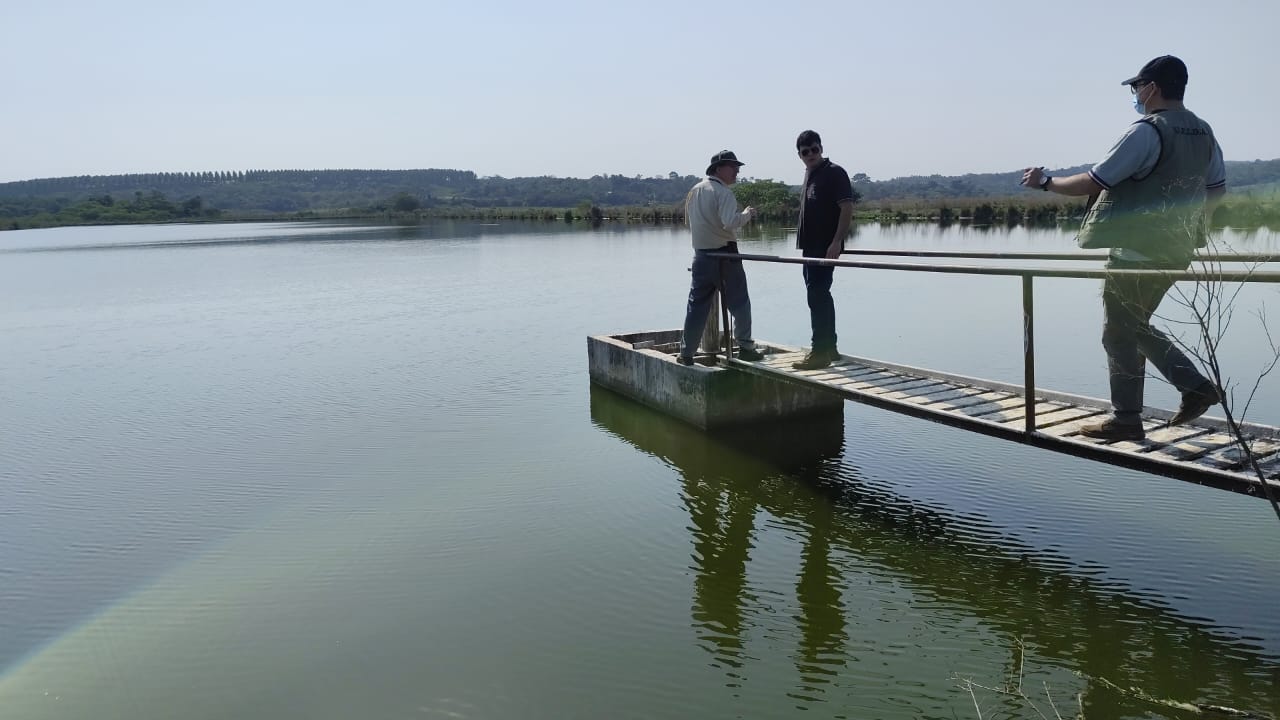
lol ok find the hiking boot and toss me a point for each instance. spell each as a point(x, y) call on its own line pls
point(816, 359)
point(750, 354)
point(1195, 403)
point(1109, 429)
point(684, 360)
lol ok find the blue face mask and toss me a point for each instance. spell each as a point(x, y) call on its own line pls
point(1139, 106)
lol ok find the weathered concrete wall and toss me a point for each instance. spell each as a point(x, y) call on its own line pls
point(709, 397)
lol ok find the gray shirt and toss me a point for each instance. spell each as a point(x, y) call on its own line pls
point(1134, 156)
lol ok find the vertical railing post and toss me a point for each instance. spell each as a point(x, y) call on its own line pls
point(728, 331)
point(726, 343)
point(710, 342)
point(1028, 354)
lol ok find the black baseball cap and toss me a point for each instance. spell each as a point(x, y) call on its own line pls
point(1166, 71)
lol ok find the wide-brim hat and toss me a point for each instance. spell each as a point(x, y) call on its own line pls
point(721, 158)
point(1166, 71)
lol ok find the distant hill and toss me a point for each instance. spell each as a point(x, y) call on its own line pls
point(282, 191)
point(286, 191)
point(939, 187)
point(1241, 176)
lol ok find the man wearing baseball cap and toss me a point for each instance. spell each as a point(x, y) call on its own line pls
point(1154, 191)
point(712, 213)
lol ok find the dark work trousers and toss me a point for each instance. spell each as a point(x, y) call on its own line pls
point(708, 273)
point(1128, 303)
point(822, 308)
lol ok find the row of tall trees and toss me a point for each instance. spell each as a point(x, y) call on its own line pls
point(279, 191)
point(446, 192)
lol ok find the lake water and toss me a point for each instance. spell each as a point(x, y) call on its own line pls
point(343, 471)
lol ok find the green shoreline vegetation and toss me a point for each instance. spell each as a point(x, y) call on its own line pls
point(413, 196)
point(1236, 212)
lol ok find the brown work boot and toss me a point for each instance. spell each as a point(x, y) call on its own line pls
point(1110, 429)
point(1195, 403)
point(816, 360)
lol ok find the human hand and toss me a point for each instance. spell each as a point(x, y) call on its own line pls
point(1032, 177)
point(834, 250)
point(750, 211)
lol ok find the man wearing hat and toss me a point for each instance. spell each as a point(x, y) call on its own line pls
point(1154, 191)
point(712, 213)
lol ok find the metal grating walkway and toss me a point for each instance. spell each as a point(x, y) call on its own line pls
point(1201, 452)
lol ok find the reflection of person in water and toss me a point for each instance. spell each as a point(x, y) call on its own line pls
point(723, 535)
point(722, 529)
point(1065, 618)
point(818, 590)
point(721, 474)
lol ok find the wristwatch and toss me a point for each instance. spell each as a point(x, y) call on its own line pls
point(1044, 182)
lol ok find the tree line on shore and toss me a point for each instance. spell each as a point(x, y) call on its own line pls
point(105, 209)
point(991, 199)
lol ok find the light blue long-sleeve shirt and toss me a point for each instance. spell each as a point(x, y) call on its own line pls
point(711, 210)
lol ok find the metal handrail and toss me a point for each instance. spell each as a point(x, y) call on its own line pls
point(1266, 276)
point(986, 255)
point(1027, 275)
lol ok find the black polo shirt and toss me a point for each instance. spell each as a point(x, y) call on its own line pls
point(824, 188)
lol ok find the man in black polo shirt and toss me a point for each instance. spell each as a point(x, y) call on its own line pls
point(826, 206)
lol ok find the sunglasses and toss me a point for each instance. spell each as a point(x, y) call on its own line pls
point(811, 150)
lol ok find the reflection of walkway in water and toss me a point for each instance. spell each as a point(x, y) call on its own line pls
point(1065, 617)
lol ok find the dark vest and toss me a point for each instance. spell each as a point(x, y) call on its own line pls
point(1162, 215)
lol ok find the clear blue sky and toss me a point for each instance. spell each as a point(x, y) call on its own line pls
point(577, 89)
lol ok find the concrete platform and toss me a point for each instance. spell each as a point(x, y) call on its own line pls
point(642, 366)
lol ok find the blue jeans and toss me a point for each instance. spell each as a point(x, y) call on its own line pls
point(822, 308)
point(710, 274)
point(1128, 304)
